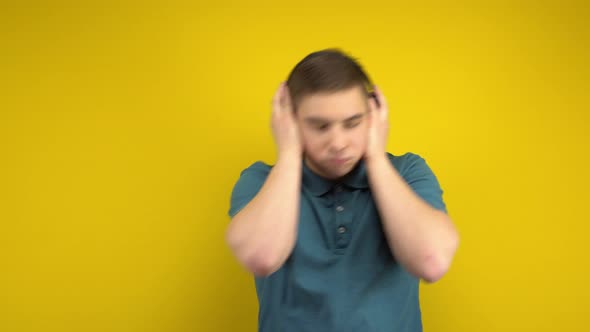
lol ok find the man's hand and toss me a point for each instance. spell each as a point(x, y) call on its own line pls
point(284, 125)
point(378, 127)
point(422, 239)
point(263, 233)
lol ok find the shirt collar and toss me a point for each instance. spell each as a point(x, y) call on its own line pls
point(318, 185)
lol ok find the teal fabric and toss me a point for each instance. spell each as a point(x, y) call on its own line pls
point(341, 275)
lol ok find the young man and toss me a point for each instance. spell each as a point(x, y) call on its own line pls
point(338, 232)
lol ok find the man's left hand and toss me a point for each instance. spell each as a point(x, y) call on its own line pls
point(378, 127)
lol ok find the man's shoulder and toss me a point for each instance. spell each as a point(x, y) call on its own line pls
point(250, 181)
point(405, 162)
point(258, 168)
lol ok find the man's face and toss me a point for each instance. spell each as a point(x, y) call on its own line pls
point(334, 130)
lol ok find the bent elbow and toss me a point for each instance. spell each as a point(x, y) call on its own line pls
point(434, 269)
point(435, 266)
point(258, 261)
point(263, 265)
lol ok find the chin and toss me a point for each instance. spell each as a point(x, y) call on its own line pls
point(336, 173)
point(331, 171)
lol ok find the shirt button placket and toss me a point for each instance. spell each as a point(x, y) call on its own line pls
point(340, 229)
point(342, 232)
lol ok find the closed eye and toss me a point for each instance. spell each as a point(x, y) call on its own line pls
point(322, 127)
point(352, 124)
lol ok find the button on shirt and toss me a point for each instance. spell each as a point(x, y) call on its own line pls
point(341, 275)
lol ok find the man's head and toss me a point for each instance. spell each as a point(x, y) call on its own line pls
point(329, 91)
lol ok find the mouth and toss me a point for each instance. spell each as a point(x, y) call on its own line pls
point(339, 161)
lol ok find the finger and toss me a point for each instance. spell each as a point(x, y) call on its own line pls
point(276, 99)
point(287, 103)
point(372, 104)
point(372, 112)
point(381, 99)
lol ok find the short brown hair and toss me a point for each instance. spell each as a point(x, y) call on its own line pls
point(329, 70)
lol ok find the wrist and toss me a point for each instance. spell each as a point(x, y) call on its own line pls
point(375, 160)
point(292, 155)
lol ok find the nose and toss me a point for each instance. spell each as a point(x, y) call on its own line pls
point(338, 141)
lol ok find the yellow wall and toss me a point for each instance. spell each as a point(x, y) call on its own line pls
point(124, 127)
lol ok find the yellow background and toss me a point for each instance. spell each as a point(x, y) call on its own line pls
point(123, 128)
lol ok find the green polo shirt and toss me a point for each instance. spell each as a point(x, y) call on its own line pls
point(341, 276)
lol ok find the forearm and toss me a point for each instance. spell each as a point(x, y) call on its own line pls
point(262, 235)
point(421, 238)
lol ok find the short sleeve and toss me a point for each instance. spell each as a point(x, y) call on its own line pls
point(248, 185)
point(422, 180)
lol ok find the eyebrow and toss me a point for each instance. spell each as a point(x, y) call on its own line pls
point(317, 120)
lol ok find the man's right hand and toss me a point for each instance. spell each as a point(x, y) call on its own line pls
point(284, 124)
point(263, 233)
